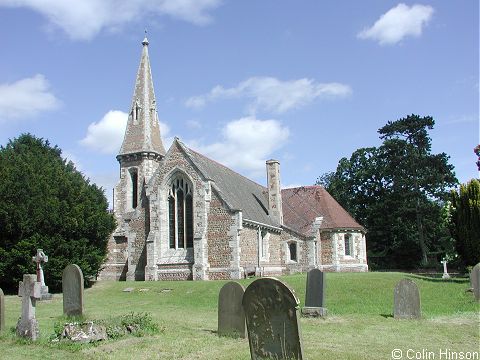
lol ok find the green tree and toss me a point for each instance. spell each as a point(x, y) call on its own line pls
point(397, 191)
point(465, 221)
point(46, 203)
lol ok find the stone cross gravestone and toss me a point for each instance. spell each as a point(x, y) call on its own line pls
point(231, 317)
point(445, 273)
point(72, 288)
point(271, 312)
point(315, 294)
point(406, 298)
point(38, 259)
point(2, 311)
point(30, 291)
point(475, 281)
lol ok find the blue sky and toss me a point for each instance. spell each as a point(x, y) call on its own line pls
point(305, 82)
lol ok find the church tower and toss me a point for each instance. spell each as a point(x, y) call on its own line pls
point(139, 156)
point(142, 146)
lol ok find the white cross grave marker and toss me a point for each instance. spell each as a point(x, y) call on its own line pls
point(30, 291)
point(445, 273)
point(38, 259)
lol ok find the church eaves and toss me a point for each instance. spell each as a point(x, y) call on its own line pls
point(142, 135)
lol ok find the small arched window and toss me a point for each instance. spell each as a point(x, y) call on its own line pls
point(134, 189)
point(180, 214)
point(348, 243)
point(292, 249)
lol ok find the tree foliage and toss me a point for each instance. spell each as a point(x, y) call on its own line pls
point(46, 203)
point(465, 221)
point(397, 192)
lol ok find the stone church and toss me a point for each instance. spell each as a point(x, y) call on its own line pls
point(183, 216)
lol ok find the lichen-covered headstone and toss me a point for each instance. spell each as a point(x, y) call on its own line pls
point(406, 298)
point(231, 317)
point(315, 294)
point(30, 291)
point(72, 288)
point(475, 281)
point(2, 311)
point(271, 312)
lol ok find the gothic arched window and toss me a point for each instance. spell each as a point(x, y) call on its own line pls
point(348, 245)
point(180, 215)
point(134, 179)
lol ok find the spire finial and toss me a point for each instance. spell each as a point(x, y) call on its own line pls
point(145, 40)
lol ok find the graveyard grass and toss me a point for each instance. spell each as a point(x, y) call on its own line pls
point(359, 323)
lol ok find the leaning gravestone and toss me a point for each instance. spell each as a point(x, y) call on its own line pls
point(231, 317)
point(2, 311)
point(72, 288)
point(475, 281)
point(271, 311)
point(406, 298)
point(315, 294)
point(30, 291)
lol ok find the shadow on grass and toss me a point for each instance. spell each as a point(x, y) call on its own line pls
point(386, 316)
point(433, 278)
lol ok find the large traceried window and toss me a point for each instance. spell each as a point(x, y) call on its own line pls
point(180, 215)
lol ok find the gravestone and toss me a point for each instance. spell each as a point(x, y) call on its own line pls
point(2, 311)
point(475, 281)
point(315, 294)
point(231, 317)
point(406, 298)
point(30, 291)
point(271, 312)
point(72, 288)
point(38, 259)
point(445, 273)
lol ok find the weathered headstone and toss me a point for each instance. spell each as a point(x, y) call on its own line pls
point(475, 281)
point(38, 259)
point(231, 317)
point(30, 291)
point(406, 298)
point(2, 311)
point(445, 273)
point(315, 294)
point(271, 312)
point(72, 288)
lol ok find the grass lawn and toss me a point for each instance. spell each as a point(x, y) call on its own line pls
point(359, 326)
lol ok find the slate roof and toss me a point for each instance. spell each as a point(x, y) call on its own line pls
point(239, 192)
point(302, 205)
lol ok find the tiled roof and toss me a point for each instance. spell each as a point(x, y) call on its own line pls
point(303, 204)
point(239, 192)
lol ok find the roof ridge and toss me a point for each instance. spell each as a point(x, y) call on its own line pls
point(224, 166)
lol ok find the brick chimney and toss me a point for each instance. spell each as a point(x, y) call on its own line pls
point(274, 191)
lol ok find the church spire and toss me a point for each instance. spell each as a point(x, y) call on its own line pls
point(142, 135)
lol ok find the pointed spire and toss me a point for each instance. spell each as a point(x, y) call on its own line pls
point(142, 134)
point(145, 40)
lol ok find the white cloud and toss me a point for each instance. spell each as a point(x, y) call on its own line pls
point(84, 19)
point(106, 135)
point(26, 97)
point(247, 143)
point(273, 95)
point(398, 23)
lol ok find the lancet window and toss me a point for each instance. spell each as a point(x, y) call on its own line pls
point(180, 214)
